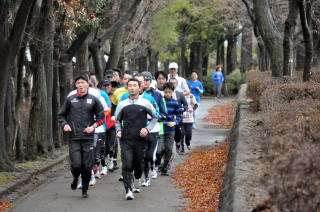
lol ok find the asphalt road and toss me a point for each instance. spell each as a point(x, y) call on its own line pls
point(55, 194)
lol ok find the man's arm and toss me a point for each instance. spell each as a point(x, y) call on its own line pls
point(64, 112)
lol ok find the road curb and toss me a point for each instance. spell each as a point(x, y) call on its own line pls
point(26, 178)
point(232, 197)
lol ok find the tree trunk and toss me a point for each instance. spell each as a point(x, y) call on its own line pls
point(288, 38)
point(205, 65)
point(121, 63)
point(117, 41)
point(11, 41)
point(246, 49)
point(153, 61)
point(196, 58)
point(270, 35)
point(98, 59)
point(143, 63)
point(48, 22)
point(82, 60)
point(304, 7)
point(231, 54)
point(38, 124)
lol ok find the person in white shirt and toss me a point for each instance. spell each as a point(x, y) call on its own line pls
point(182, 83)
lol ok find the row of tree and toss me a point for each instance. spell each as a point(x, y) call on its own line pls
point(44, 43)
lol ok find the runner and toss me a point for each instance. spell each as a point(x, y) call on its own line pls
point(187, 122)
point(110, 150)
point(132, 129)
point(182, 83)
point(196, 89)
point(77, 117)
point(151, 153)
point(173, 118)
point(184, 106)
point(99, 133)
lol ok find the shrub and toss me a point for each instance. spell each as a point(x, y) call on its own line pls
point(291, 145)
point(234, 80)
point(207, 83)
point(285, 93)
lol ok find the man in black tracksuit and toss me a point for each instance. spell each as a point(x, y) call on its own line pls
point(132, 128)
point(80, 114)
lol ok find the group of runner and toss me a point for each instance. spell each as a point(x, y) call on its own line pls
point(144, 115)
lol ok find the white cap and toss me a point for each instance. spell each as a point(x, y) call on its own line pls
point(173, 65)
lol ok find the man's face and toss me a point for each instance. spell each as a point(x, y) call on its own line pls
point(194, 76)
point(116, 77)
point(161, 81)
point(107, 88)
point(168, 93)
point(82, 86)
point(175, 83)
point(173, 71)
point(147, 84)
point(141, 80)
point(133, 88)
point(125, 79)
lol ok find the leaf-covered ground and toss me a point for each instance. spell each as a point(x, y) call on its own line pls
point(4, 205)
point(222, 116)
point(201, 177)
point(201, 174)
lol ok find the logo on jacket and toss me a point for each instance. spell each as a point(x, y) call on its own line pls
point(89, 101)
point(74, 100)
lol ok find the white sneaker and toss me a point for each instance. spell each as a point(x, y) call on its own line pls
point(79, 184)
point(146, 182)
point(98, 175)
point(110, 164)
point(154, 173)
point(129, 195)
point(92, 180)
point(136, 185)
point(104, 170)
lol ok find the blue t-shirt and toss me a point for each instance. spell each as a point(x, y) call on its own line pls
point(215, 77)
point(193, 88)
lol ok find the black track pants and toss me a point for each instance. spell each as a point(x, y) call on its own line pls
point(150, 158)
point(81, 156)
point(132, 155)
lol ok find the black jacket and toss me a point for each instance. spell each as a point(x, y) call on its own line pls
point(81, 112)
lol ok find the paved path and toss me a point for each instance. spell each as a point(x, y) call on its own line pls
point(108, 194)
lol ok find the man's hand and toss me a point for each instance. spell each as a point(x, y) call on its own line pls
point(113, 119)
point(89, 129)
point(190, 109)
point(198, 87)
point(119, 134)
point(144, 132)
point(67, 128)
point(186, 93)
point(171, 124)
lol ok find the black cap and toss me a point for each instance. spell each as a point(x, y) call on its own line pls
point(106, 82)
point(82, 76)
point(109, 73)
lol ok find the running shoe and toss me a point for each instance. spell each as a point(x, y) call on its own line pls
point(165, 172)
point(188, 147)
point(85, 194)
point(79, 184)
point(154, 173)
point(104, 170)
point(110, 164)
point(92, 180)
point(115, 164)
point(121, 178)
point(136, 185)
point(146, 182)
point(129, 195)
point(74, 184)
point(97, 175)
